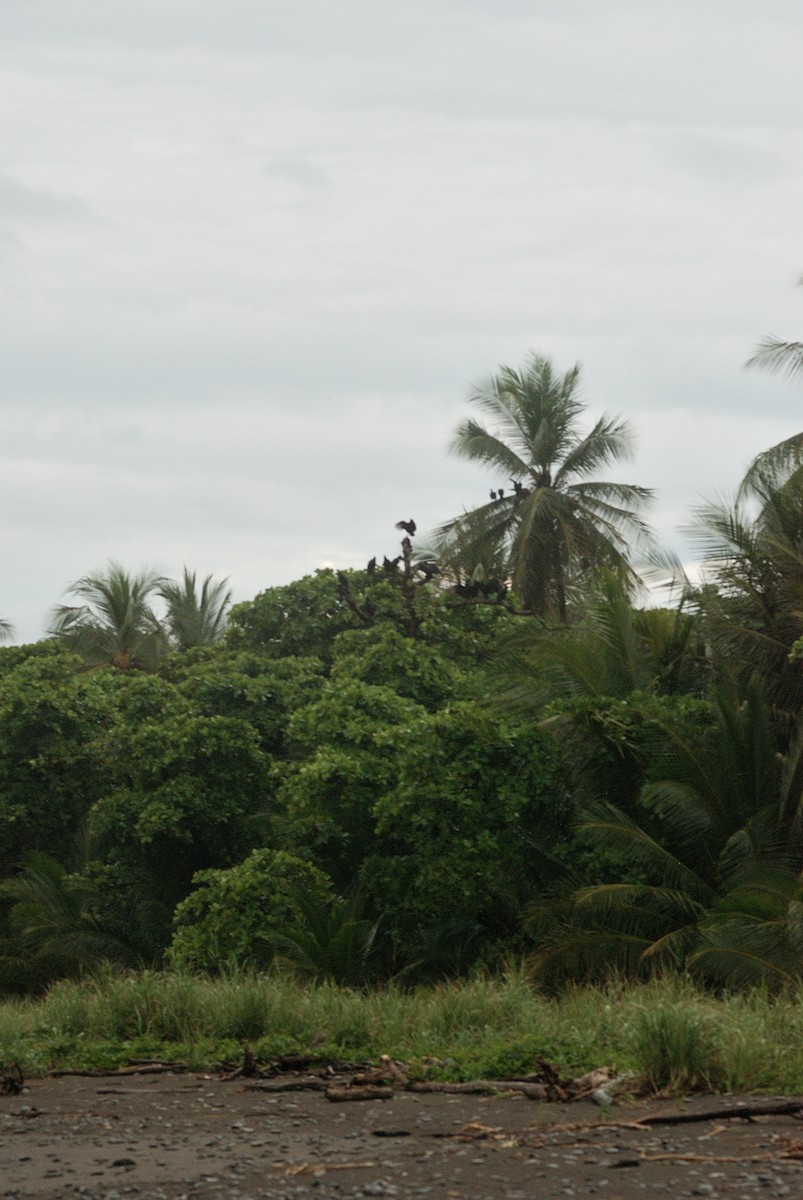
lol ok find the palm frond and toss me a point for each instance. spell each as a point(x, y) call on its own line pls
point(771, 468)
point(610, 441)
point(774, 354)
point(741, 950)
point(195, 617)
point(645, 852)
point(475, 442)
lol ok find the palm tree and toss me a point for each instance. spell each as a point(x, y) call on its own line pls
point(785, 358)
point(53, 924)
point(754, 555)
point(6, 629)
point(115, 625)
point(329, 942)
point(713, 852)
point(613, 650)
point(195, 618)
point(776, 462)
point(555, 522)
point(67, 916)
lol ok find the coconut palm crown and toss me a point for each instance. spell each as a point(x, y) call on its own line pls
point(115, 624)
point(753, 554)
point(195, 617)
point(555, 521)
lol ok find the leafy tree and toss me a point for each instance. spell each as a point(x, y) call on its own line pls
point(248, 686)
point(51, 768)
point(340, 764)
point(195, 617)
point(301, 619)
point(556, 522)
point(183, 792)
point(448, 813)
point(115, 625)
point(230, 914)
point(307, 618)
point(12, 657)
point(384, 657)
point(475, 824)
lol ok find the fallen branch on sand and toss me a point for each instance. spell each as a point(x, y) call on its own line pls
point(149, 1068)
point(742, 1111)
point(321, 1168)
point(484, 1087)
point(338, 1094)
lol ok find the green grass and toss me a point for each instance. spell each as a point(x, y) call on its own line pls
point(665, 1032)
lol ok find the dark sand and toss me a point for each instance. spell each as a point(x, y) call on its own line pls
point(167, 1136)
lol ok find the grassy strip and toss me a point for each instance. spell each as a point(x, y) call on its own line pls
point(666, 1031)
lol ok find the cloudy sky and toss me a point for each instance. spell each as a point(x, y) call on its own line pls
point(254, 254)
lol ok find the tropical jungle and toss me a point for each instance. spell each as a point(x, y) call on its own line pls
point(525, 745)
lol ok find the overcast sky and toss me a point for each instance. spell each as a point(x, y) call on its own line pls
point(255, 253)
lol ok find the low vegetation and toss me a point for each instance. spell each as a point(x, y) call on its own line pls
point(665, 1034)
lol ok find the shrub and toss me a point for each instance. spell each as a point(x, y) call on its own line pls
point(228, 918)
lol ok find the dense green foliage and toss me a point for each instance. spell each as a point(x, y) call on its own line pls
point(229, 916)
point(437, 762)
point(369, 759)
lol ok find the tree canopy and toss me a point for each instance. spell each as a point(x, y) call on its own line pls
point(457, 754)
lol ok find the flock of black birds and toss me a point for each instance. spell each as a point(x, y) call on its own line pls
point(482, 589)
point(519, 490)
point(389, 565)
point(493, 589)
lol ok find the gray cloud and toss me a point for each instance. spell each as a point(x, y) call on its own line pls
point(255, 255)
point(21, 203)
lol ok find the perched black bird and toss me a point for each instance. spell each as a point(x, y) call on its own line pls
point(493, 495)
point(501, 493)
point(407, 526)
point(390, 564)
point(371, 566)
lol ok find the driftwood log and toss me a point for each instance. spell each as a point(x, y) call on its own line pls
point(338, 1094)
point(151, 1068)
point(310, 1083)
point(743, 1111)
point(484, 1087)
